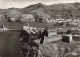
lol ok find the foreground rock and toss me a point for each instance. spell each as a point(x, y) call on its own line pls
point(48, 40)
point(60, 49)
point(49, 50)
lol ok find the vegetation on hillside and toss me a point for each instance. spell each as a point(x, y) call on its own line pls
point(68, 10)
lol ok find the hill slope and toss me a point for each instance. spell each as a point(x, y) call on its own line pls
point(68, 10)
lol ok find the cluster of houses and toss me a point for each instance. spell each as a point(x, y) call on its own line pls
point(74, 22)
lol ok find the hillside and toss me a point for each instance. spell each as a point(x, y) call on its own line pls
point(67, 10)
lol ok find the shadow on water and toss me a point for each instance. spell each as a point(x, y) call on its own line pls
point(9, 44)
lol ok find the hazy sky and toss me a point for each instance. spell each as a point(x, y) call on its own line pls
point(24, 3)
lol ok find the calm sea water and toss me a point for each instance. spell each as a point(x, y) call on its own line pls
point(18, 25)
point(9, 40)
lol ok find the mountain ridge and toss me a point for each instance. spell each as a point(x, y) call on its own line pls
point(62, 10)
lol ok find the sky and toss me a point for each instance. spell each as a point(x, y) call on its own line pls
point(4, 4)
